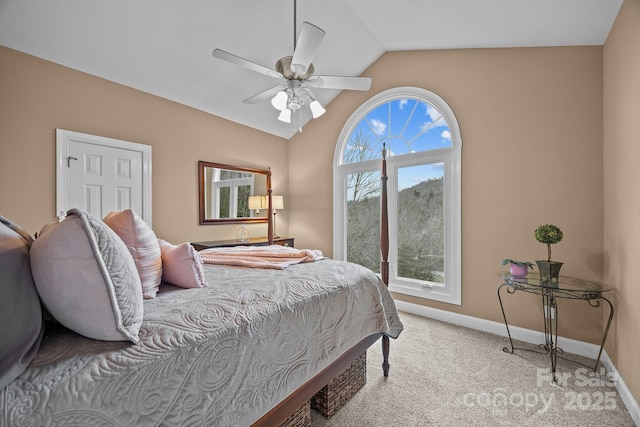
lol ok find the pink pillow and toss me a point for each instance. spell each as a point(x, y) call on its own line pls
point(181, 265)
point(143, 245)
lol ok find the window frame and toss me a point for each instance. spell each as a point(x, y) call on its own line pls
point(233, 185)
point(450, 157)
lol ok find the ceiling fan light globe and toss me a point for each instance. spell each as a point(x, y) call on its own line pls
point(316, 109)
point(280, 100)
point(285, 116)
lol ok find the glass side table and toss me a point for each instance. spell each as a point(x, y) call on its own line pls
point(550, 290)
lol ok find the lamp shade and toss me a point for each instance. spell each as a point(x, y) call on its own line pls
point(285, 116)
point(277, 202)
point(257, 202)
point(316, 109)
point(280, 100)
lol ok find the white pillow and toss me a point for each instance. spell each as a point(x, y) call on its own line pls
point(181, 265)
point(87, 279)
point(143, 245)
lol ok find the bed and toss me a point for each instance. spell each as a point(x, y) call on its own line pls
point(247, 349)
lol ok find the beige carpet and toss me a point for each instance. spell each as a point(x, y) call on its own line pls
point(447, 375)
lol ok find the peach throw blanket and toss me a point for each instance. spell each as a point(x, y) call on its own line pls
point(274, 256)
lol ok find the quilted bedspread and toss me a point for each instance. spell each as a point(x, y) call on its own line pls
point(222, 355)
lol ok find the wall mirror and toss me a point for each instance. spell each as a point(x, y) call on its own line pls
point(224, 192)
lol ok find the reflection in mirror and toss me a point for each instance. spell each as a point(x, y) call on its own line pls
point(225, 193)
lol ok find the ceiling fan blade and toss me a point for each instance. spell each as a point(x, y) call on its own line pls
point(263, 96)
point(307, 47)
point(245, 63)
point(339, 82)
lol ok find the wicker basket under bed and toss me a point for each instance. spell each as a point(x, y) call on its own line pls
point(337, 393)
point(300, 418)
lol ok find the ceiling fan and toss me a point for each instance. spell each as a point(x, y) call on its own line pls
point(295, 75)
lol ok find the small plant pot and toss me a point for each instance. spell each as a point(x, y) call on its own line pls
point(549, 270)
point(518, 270)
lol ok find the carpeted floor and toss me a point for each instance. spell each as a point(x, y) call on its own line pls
point(446, 375)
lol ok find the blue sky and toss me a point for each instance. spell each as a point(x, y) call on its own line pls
point(406, 125)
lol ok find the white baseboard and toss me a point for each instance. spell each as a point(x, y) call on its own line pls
point(534, 337)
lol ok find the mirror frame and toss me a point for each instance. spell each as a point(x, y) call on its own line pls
point(201, 189)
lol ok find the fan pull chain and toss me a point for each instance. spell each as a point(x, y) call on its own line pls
point(296, 117)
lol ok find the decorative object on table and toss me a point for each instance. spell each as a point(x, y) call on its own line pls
point(549, 234)
point(277, 204)
point(518, 268)
point(242, 234)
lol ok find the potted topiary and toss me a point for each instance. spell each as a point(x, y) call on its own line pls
point(548, 234)
point(518, 268)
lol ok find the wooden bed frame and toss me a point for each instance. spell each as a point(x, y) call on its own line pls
point(295, 400)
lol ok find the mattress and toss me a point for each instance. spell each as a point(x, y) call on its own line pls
point(222, 355)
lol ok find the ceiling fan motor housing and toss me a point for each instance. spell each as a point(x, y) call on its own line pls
point(283, 66)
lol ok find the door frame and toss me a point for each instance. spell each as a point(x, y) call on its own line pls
point(63, 137)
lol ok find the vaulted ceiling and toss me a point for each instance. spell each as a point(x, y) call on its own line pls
point(164, 47)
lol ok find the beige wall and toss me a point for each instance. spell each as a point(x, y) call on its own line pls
point(531, 123)
point(37, 96)
point(621, 188)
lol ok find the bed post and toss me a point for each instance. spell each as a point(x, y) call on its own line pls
point(384, 249)
point(270, 209)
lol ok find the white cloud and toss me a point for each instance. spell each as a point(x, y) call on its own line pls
point(435, 116)
point(402, 103)
point(446, 134)
point(432, 112)
point(378, 127)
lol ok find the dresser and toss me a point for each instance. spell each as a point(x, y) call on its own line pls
point(256, 241)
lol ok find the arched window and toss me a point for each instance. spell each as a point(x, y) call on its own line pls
point(424, 146)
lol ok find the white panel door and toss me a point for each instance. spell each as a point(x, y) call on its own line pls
point(104, 179)
point(101, 175)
